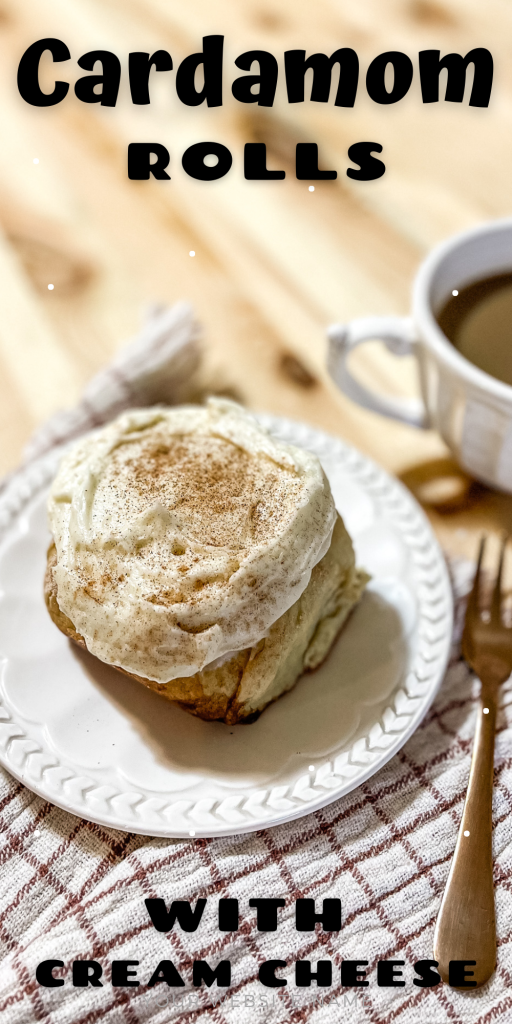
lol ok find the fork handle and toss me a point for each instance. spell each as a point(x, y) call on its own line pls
point(466, 928)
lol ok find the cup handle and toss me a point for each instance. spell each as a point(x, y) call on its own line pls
point(399, 337)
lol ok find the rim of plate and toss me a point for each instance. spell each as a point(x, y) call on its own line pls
point(234, 814)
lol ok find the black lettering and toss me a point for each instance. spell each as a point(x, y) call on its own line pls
point(375, 77)
point(122, 975)
point(369, 167)
point(109, 79)
point(167, 972)
point(180, 911)
point(306, 916)
point(194, 157)
point(456, 66)
point(140, 168)
point(28, 73)
point(211, 59)
point(87, 972)
point(44, 973)
point(457, 973)
point(266, 80)
point(306, 164)
point(201, 971)
point(427, 977)
point(386, 974)
point(304, 975)
point(266, 914)
point(296, 65)
point(255, 164)
point(351, 973)
point(139, 68)
point(228, 915)
point(267, 974)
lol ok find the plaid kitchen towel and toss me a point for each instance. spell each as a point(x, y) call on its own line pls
point(72, 890)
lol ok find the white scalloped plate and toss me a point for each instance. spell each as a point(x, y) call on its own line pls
point(101, 746)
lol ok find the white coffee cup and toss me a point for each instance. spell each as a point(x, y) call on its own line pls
point(471, 410)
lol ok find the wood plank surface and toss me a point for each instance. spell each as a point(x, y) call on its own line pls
point(275, 263)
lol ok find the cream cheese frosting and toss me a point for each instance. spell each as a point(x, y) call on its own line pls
point(183, 534)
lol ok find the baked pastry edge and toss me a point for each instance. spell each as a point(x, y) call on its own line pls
point(240, 688)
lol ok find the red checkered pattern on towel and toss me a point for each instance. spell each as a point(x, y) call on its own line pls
point(72, 890)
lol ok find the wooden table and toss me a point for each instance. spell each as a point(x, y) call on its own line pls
point(274, 263)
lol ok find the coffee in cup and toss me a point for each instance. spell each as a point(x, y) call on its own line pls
point(477, 319)
point(460, 332)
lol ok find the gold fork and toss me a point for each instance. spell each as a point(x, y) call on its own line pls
point(466, 928)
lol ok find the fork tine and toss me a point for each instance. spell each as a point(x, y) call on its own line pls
point(496, 594)
point(474, 597)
